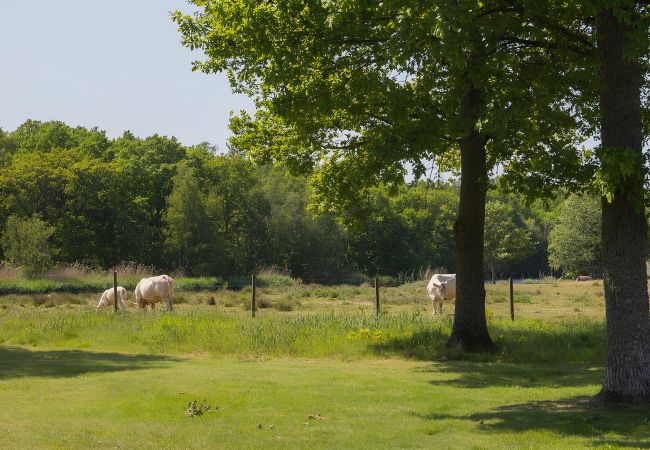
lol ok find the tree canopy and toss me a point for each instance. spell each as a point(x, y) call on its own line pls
point(104, 208)
point(356, 91)
point(574, 242)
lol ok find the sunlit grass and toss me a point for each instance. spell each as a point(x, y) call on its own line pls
point(93, 378)
point(199, 329)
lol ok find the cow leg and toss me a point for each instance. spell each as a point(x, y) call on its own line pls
point(437, 307)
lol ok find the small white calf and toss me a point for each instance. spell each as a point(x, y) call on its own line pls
point(442, 286)
point(150, 291)
point(108, 294)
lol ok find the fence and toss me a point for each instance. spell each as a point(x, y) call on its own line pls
point(379, 295)
point(377, 286)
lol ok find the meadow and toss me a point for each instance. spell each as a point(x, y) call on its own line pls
point(316, 368)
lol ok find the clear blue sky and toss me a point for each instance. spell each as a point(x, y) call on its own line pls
point(114, 64)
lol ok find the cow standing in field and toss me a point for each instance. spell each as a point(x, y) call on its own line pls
point(150, 291)
point(442, 286)
point(108, 294)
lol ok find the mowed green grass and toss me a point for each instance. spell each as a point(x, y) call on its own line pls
point(63, 399)
point(323, 373)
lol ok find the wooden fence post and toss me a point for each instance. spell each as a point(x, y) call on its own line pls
point(377, 295)
point(253, 297)
point(115, 297)
point(512, 301)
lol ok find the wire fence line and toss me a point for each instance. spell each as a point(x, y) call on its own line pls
point(268, 289)
point(17, 287)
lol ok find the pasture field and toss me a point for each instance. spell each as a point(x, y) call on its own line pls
point(315, 369)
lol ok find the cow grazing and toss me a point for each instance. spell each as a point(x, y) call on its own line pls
point(150, 291)
point(442, 286)
point(108, 294)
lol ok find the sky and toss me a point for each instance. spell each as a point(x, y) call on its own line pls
point(112, 64)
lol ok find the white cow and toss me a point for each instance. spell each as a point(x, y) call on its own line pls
point(150, 291)
point(442, 286)
point(108, 294)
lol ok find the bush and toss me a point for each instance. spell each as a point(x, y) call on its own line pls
point(276, 280)
point(263, 303)
point(286, 304)
point(25, 244)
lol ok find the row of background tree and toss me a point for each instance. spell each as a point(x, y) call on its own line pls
point(73, 195)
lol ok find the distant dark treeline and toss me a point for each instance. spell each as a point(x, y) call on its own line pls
point(153, 201)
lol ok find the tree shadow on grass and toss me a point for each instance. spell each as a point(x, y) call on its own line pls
point(16, 362)
point(476, 375)
point(424, 345)
point(531, 342)
point(626, 426)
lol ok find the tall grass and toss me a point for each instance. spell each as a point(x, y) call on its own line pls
point(407, 335)
point(79, 278)
point(420, 274)
point(97, 283)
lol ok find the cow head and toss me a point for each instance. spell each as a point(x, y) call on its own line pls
point(442, 288)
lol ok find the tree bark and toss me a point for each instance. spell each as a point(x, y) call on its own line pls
point(624, 233)
point(470, 331)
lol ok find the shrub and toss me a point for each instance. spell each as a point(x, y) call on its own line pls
point(25, 244)
point(286, 304)
point(263, 303)
point(276, 280)
point(179, 299)
point(230, 302)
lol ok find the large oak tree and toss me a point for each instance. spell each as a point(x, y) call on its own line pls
point(355, 91)
point(622, 31)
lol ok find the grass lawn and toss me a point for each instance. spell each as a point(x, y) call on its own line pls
point(315, 369)
point(79, 399)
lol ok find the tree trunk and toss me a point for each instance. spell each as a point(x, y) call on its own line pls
point(470, 331)
point(627, 375)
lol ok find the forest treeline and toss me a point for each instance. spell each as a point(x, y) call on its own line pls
point(152, 201)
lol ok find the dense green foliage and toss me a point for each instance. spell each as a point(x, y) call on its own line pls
point(25, 244)
point(360, 93)
point(574, 243)
point(505, 240)
point(153, 201)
